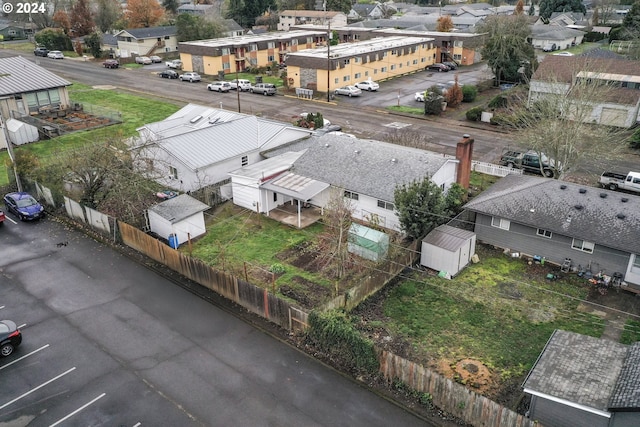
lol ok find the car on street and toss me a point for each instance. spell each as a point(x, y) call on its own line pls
point(110, 63)
point(563, 54)
point(10, 337)
point(190, 77)
point(2, 217)
point(55, 54)
point(348, 91)
point(219, 86)
point(264, 88)
point(176, 64)
point(369, 85)
point(452, 65)
point(439, 67)
point(144, 60)
point(23, 205)
point(244, 85)
point(168, 74)
point(155, 59)
point(419, 96)
point(40, 51)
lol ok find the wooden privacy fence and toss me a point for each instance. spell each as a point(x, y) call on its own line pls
point(253, 298)
point(450, 396)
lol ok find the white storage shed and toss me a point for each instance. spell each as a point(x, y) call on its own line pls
point(448, 249)
point(181, 217)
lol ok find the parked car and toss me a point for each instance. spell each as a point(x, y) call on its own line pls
point(451, 64)
point(10, 337)
point(437, 67)
point(219, 86)
point(144, 60)
point(549, 47)
point(168, 74)
point(24, 206)
point(419, 96)
point(348, 91)
point(369, 85)
point(111, 63)
point(55, 54)
point(190, 77)
point(176, 64)
point(40, 51)
point(614, 181)
point(528, 161)
point(244, 85)
point(2, 217)
point(264, 88)
point(155, 59)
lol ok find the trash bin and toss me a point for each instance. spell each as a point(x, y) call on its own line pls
point(173, 241)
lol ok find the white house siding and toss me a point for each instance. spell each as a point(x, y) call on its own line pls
point(633, 273)
point(246, 193)
point(188, 228)
point(141, 47)
point(446, 175)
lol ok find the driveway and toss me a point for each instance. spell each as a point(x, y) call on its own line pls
point(109, 342)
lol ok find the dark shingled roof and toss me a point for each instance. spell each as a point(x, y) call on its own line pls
point(626, 393)
point(543, 203)
point(19, 75)
point(178, 208)
point(151, 32)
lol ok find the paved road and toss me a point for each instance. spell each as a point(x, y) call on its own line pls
point(122, 346)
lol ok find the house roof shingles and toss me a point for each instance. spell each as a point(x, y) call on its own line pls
point(178, 208)
point(542, 203)
point(626, 393)
point(150, 32)
point(19, 75)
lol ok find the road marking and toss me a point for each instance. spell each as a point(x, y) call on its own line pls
point(26, 355)
point(78, 410)
point(22, 326)
point(1, 307)
point(9, 219)
point(137, 424)
point(397, 125)
point(37, 388)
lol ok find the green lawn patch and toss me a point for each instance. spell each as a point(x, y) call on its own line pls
point(407, 110)
point(631, 332)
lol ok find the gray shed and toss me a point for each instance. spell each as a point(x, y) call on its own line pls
point(181, 217)
point(448, 249)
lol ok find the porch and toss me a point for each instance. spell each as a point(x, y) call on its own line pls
point(288, 214)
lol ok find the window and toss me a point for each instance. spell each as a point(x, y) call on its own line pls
point(384, 54)
point(226, 51)
point(375, 71)
point(366, 74)
point(500, 223)
point(415, 62)
point(336, 80)
point(393, 67)
point(226, 66)
point(346, 61)
point(394, 51)
point(457, 43)
point(350, 195)
point(423, 59)
point(636, 261)
point(309, 40)
point(457, 57)
point(582, 245)
point(357, 60)
point(253, 47)
point(357, 76)
point(244, 161)
point(383, 69)
point(346, 78)
point(543, 233)
point(173, 172)
point(275, 196)
point(271, 45)
point(294, 42)
point(386, 205)
point(271, 58)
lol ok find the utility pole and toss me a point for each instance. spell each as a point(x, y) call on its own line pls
point(237, 84)
point(324, 5)
point(10, 152)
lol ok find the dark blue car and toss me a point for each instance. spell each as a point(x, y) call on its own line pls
point(24, 206)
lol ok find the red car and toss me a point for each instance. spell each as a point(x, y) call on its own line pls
point(2, 217)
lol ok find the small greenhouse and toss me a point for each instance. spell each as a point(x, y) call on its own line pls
point(368, 243)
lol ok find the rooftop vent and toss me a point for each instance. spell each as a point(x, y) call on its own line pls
point(579, 207)
point(326, 145)
point(569, 218)
point(621, 216)
point(195, 119)
point(624, 200)
point(582, 190)
point(563, 187)
point(603, 195)
point(394, 160)
point(357, 151)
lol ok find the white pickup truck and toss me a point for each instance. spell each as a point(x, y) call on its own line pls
point(615, 181)
point(176, 64)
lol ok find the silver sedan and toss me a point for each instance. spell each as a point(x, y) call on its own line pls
point(348, 91)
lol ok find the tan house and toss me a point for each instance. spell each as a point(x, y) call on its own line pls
point(231, 54)
point(348, 63)
point(291, 18)
point(147, 41)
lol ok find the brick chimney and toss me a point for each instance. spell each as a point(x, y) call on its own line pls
point(464, 153)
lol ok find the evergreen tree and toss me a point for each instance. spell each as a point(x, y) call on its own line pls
point(108, 12)
point(420, 206)
point(547, 7)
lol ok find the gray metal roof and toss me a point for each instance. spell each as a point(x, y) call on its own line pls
point(19, 75)
point(626, 393)
point(448, 238)
point(604, 217)
point(149, 32)
point(268, 168)
point(577, 368)
point(178, 208)
point(368, 167)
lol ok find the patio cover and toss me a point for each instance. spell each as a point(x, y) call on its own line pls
point(296, 186)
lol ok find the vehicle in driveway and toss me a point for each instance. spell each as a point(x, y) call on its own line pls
point(10, 337)
point(441, 68)
point(155, 59)
point(111, 63)
point(369, 85)
point(176, 64)
point(419, 96)
point(264, 88)
point(168, 74)
point(144, 60)
point(40, 51)
point(244, 85)
point(190, 77)
point(24, 206)
point(219, 86)
point(348, 91)
point(55, 54)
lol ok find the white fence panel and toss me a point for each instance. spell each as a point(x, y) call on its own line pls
point(97, 220)
point(74, 209)
point(495, 170)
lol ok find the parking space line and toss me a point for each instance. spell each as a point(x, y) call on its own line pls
point(78, 410)
point(22, 326)
point(1, 307)
point(9, 219)
point(38, 387)
point(26, 355)
point(137, 424)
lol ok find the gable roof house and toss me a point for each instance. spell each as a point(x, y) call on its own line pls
point(560, 220)
point(20, 96)
point(561, 36)
point(367, 172)
point(291, 18)
point(366, 11)
point(147, 41)
point(198, 146)
point(620, 103)
point(580, 380)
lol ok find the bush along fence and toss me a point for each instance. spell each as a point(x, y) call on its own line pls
point(325, 328)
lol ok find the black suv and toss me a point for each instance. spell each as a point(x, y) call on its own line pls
point(40, 51)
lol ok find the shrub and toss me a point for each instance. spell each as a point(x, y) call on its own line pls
point(498, 101)
point(634, 140)
point(469, 93)
point(433, 103)
point(277, 268)
point(474, 114)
